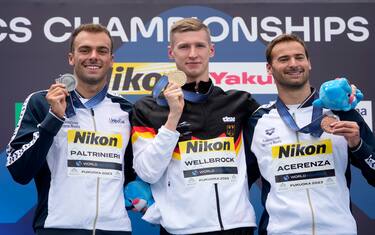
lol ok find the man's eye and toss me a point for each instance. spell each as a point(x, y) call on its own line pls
point(83, 50)
point(301, 57)
point(103, 51)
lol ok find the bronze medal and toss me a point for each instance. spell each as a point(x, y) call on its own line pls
point(326, 122)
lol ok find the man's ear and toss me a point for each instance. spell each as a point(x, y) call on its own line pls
point(170, 52)
point(269, 69)
point(212, 50)
point(112, 58)
point(71, 58)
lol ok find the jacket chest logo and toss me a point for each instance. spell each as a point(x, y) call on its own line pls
point(230, 125)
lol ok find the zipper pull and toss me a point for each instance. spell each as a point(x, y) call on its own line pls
point(93, 118)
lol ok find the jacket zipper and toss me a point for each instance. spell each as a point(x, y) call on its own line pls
point(217, 203)
point(312, 212)
point(308, 194)
point(204, 111)
point(97, 184)
point(218, 207)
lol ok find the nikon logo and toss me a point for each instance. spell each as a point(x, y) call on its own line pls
point(94, 138)
point(137, 78)
point(302, 149)
point(208, 146)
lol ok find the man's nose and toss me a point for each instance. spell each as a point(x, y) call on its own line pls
point(292, 62)
point(193, 52)
point(93, 54)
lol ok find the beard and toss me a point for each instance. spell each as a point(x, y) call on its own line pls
point(292, 85)
point(286, 81)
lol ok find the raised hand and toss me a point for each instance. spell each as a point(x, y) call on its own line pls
point(348, 129)
point(175, 98)
point(56, 98)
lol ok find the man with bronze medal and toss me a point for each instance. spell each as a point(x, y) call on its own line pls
point(304, 152)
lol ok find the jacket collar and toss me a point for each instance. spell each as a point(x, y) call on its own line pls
point(309, 100)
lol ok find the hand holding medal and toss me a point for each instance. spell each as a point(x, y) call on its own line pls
point(58, 93)
point(178, 77)
point(326, 123)
point(68, 80)
point(173, 92)
point(174, 96)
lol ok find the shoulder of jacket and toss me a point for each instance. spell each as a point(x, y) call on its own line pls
point(265, 108)
point(237, 92)
point(116, 98)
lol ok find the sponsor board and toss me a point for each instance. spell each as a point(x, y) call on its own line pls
point(140, 78)
point(365, 109)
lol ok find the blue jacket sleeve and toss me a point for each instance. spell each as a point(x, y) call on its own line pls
point(362, 156)
point(32, 138)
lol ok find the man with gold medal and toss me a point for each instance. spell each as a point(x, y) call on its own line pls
point(188, 144)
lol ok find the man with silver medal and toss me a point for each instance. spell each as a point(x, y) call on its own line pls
point(73, 140)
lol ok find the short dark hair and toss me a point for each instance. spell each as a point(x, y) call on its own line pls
point(284, 38)
point(91, 28)
point(188, 25)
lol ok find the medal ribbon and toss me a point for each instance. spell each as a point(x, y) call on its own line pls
point(75, 102)
point(313, 128)
point(188, 95)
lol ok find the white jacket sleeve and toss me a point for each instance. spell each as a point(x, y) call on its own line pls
point(153, 153)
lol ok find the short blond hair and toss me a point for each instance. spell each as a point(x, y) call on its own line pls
point(188, 25)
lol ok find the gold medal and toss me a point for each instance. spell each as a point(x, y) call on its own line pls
point(177, 77)
point(326, 123)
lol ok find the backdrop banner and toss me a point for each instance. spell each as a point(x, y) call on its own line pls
point(34, 45)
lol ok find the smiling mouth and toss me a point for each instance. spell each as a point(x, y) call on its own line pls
point(92, 67)
point(295, 72)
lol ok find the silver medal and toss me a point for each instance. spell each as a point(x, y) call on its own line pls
point(68, 80)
